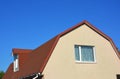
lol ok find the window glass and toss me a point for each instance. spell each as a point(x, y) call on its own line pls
point(87, 53)
point(84, 53)
point(77, 56)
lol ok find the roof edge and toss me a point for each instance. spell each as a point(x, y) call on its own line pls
point(49, 54)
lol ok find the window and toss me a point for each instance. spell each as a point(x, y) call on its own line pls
point(16, 63)
point(84, 53)
point(118, 76)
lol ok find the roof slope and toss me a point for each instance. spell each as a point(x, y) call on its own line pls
point(9, 72)
point(38, 58)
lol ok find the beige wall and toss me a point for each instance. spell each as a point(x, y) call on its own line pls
point(62, 65)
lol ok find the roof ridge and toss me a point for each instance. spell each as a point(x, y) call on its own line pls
point(21, 49)
point(18, 50)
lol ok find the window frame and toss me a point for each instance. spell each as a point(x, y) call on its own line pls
point(16, 63)
point(80, 56)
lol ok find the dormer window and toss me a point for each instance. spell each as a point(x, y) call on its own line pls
point(16, 63)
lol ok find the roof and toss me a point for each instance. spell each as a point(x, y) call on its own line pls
point(38, 58)
point(17, 50)
point(9, 72)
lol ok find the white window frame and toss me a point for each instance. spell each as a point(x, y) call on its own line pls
point(16, 64)
point(80, 56)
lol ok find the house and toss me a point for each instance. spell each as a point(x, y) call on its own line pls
point(81, 52)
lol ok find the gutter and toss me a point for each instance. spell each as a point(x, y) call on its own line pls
point(33, 76)
point(37, 75)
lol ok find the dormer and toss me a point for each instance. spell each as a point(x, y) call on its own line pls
point(20, 58)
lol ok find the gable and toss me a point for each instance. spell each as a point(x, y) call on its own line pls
point(62, 60)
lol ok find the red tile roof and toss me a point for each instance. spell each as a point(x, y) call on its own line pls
point(9, 72)
point(38, 58)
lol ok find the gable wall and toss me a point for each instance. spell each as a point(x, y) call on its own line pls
point(62, 65)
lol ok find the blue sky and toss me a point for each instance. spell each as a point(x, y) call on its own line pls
point(29, 23)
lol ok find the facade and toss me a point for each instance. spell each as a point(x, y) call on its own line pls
point(81, 52)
